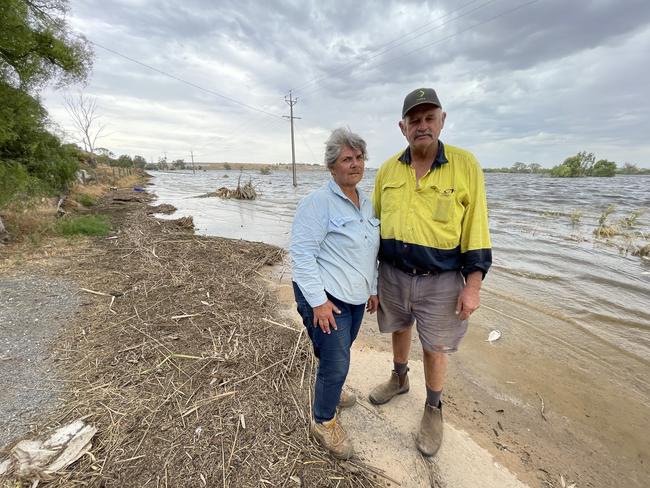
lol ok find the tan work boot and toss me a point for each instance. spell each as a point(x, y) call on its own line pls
point(384, 392)
point(347, 399)
point(333, 437)
point(429, 438)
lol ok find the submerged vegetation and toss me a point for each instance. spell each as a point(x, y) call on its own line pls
point(575, 217)
point(583, 164)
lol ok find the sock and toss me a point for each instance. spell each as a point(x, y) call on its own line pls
point(401, 368)
point(433, 397)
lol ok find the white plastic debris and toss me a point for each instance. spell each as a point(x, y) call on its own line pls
point(39, 460)
point(493, 336)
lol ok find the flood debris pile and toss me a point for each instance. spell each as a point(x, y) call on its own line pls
point(179, 363)
point(242, 192)
point(163, 208)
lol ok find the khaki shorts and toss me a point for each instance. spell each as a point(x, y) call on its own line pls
point(428, 300)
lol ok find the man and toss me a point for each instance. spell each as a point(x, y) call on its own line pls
point(435, 251)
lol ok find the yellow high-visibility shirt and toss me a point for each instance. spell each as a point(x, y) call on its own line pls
point(439, 223)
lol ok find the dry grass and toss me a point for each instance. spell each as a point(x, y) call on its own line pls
point(182, 367)
point(30, 222)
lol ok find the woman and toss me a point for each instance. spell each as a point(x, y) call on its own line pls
point(334, 244)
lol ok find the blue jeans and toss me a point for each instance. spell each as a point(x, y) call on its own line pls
point(332, 350)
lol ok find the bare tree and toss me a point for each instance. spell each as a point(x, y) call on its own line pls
point(83, 112)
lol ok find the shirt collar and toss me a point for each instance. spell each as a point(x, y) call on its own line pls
point(337, 189)
point(439, 160)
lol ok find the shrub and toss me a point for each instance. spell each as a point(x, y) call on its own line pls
point(85, 199)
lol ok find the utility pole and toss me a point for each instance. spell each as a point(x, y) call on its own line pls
point(193, 170)
point(291, 102)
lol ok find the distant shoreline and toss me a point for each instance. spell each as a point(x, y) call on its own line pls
point(257, 166)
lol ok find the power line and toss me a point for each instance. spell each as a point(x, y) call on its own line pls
point(194, 85)
point(401, 57)
point(383, 49)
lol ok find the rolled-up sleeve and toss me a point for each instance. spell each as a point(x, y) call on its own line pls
point(307, 233)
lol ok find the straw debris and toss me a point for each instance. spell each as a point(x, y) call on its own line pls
point(178, 363)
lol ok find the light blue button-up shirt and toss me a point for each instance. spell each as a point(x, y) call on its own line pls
point(334, 246)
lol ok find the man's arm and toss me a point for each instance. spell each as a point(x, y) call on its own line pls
point(470, 298)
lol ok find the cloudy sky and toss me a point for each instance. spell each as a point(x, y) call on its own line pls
point(520, 80)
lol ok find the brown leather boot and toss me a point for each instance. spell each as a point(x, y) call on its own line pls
point(429, 438)
point(333, 437)
point(383, 393)
point(347, 399)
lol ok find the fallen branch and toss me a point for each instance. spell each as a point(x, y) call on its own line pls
point(542, 411)
point(97, 293)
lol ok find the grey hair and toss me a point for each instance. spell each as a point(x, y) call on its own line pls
point(339, 138)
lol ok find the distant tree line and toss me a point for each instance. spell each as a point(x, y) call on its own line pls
point(518, 168)
point(582, 164)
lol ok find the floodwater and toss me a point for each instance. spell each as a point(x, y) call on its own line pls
point(545, 254)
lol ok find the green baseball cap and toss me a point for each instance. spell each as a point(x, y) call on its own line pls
point(420, 97)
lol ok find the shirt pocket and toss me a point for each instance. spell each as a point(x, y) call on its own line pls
point(442, 203)
point(338, 224)
point(391, 196)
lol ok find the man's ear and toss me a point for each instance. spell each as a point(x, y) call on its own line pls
point(402, 127)
point(444, 116)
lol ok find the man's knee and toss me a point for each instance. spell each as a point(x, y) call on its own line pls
point(434, 357)
point(402, 332)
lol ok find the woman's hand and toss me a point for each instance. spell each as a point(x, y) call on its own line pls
point(324, 318)
point(373, 304)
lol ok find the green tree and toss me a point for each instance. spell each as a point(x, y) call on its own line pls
point(125, 161)
point(139, 161)
point(27, 149)
point(535, 167)
point(574, 166)
point(603, 167)
point(37, 46)
point(519, 168)
point(178, 164)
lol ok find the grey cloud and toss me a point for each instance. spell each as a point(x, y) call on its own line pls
point(551, 71)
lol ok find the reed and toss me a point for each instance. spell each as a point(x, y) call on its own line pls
point(575, 216)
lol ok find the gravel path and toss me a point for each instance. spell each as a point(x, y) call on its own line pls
point(32, 309)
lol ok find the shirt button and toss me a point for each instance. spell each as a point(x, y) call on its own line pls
point(361, 221)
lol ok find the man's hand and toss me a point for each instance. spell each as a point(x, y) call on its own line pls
point(324, 318)
point(373, 304)
point(469, 299)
